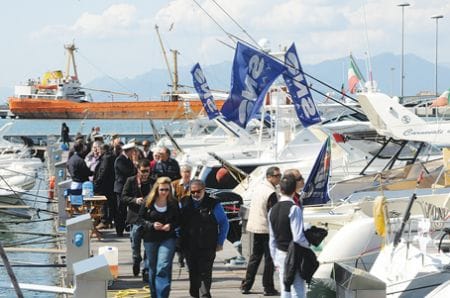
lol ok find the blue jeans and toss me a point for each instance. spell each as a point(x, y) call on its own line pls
point(136, 242)
point(298, 288)
point(160, 256)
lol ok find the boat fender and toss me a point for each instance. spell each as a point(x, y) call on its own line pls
point(51, 188)
point(379, 215)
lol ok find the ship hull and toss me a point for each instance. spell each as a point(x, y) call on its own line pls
point(30, 108)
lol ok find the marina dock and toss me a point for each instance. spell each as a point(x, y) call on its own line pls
point(226, 278)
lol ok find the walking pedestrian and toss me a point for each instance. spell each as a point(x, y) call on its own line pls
point(204, 227)
point(181, 189)
point(134, 191)
point(262, 199)
point(159, 217)
point(285, 214)
point(123, 168)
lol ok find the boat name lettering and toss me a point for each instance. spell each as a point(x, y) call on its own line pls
point(411, 132)
point(255, 68)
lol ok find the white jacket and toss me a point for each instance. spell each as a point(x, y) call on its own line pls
point(257, 217)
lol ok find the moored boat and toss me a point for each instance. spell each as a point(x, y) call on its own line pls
point(61, 96)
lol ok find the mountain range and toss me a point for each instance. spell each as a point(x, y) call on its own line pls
point(419, 77)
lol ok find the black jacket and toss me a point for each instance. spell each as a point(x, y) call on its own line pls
point(168, 168)
point(78, 169)
point(104, 175)
point(199, 227)
point(299, 259)
point(149, 215)
point(130, 192)
point(123, 168)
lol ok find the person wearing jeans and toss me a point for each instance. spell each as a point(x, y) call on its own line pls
point(285, 214)
point(159, 217)
point(135, 190)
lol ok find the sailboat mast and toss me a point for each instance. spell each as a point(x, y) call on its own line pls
point(164, 54)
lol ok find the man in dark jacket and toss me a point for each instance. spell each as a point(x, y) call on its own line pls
point(204, 227)
point(284, 214)
point(123, 168)
point(79, 172)
point(167, 166)
point(104, 185)
point(134, 193)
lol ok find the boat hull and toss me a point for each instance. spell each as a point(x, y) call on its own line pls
point(31, 108)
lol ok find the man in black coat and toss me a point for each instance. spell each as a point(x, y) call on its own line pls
point(166, 166)
point(104, 185)
point(134, 193)
point(123, 168)
point(79, 172)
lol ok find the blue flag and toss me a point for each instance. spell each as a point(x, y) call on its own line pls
point(204, 92)
point(315, 190)
point(253, 73)
point(298, 88)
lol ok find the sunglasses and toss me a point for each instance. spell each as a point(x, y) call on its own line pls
point(164, 189)
point(196, 191)
point(145, 171)
point(299, 179)
point(277, 175)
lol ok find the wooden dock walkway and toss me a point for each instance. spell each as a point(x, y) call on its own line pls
point(226, 278)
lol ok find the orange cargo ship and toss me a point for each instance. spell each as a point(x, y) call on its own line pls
point(61, 97)
point(48, 108)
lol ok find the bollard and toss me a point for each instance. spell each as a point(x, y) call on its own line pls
point(77, 242)
point(60, 188)
point(91, 277)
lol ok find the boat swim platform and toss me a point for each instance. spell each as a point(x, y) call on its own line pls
point(226, 278)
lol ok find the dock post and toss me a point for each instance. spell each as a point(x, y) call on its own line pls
point(60, 189)
point(77, 242)
point(91, 277)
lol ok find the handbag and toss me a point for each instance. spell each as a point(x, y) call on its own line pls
point(315, 235)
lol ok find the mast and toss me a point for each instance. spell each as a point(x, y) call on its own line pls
point(71, 60)
point(164, 54)
point(175, 71)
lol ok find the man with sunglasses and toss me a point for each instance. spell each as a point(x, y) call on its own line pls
point(204, 227)
point(262, 199)
point(135, 190)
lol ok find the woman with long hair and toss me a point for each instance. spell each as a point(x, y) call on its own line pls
point(159, 218)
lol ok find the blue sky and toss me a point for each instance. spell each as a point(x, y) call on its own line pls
point(117, 38)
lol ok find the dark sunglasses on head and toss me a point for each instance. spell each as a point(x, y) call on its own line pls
point(196, 191)
point(164, 189)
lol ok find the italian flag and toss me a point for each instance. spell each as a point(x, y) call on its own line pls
point(442, 100)
point(353, 77)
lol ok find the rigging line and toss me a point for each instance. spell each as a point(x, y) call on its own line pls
point(229, 35)
point(236, 23)
point(104, 73)
point(17, 192)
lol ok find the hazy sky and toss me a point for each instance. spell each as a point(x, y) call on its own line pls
point(117, 38)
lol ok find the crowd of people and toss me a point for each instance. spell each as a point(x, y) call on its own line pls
point(167, 212)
